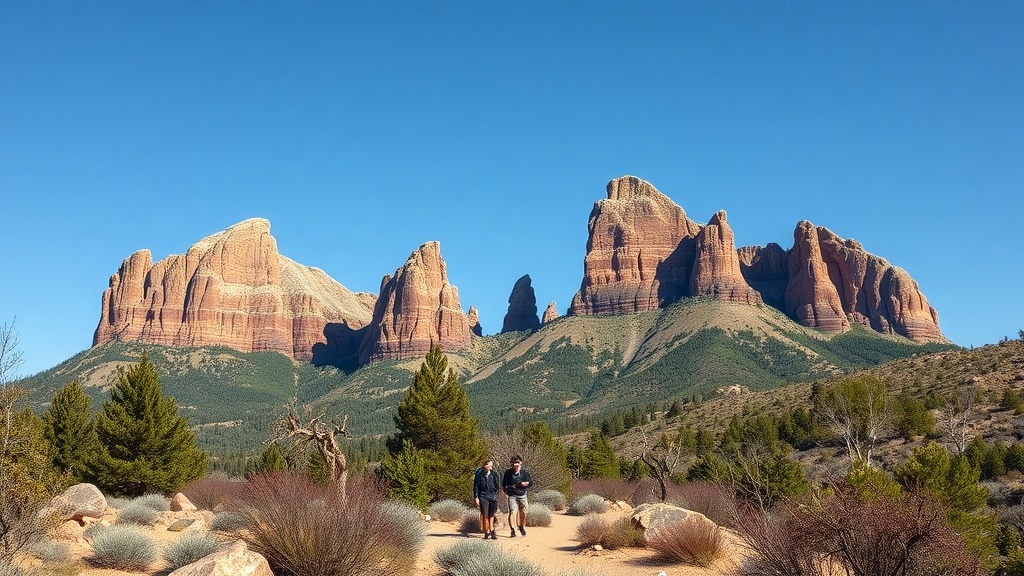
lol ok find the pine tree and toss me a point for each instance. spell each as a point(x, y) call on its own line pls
point(271, 460)
point(434, 416)
point(406, 474)
point(146, 446)
point(71, 431)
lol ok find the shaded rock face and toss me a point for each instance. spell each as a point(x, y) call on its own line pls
point(550, 313)
point(231, 289)
point(639, 252)
point(522, 308)
point(474, 321)
point(644, 253)
point(835, 282)
point(417, 308)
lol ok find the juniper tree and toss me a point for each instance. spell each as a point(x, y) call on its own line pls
point(71, 431)
point(434, 416)
point(146, 446)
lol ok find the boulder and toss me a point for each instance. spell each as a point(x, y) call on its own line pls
point(181, 503)
point(651, 517)
point(522, 308)
point(77, 503)
point(235, 560)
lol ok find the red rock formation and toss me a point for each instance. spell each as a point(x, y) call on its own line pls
point(765, 268)
point(550, 313)
point(716, 268)
point(522, 308)
point(473, 317)
point(639, 252)
point(835, 282)
point(417, 308)
point(231, 289)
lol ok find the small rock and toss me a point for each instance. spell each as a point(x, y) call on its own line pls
point(181, 503)
point(180, 525)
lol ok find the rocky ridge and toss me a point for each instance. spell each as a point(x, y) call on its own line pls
point(522, 307)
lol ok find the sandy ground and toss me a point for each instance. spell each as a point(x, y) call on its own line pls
point(554, 548)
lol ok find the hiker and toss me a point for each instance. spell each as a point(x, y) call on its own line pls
point(514, 482)
point(485, 494)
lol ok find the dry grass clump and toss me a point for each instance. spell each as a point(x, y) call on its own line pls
point(553, 499)
point(213, 492)
point(479, 558)
point(538, 515)
point(154, 501)
point(588, 504)
point(137, 513)
point(714, 501)
point(125, 548)
point(611, 535)
point(302, 527)
point(692, 541)
point(613, 489)
point(592, 530)
point(447, 510)
point(191, 547)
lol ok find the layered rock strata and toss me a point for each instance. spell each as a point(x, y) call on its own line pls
point(522, 308)
point(417, 308)
point(231, 289)
point(716, 266)
point(550, 313)
point(473, 316)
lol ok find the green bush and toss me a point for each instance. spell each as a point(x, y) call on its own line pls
point(191, 547)
point(588, 504)
point(123, 548)
point(538, 515)
point(693, 541)
point(135, 513)
point(447, 510)
point(155, 501)
point(553, 499)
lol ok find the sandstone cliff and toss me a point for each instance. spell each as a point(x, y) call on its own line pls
point(716, 267)
point(231, 289)
point(473, 317)
point(417, 308)
point(639, 253)
point(522, 308)
point(550, 313)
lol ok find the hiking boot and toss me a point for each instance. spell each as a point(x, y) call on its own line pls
point(513, 533)
point(522, 531)
point(493, 535)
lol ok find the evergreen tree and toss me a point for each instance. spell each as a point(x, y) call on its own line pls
point(406, 474)
point(434, 416)
point(599, 459)
point(71, 431)
point(146, 446)
point(271, 460)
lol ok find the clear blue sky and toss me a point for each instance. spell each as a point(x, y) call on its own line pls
point(362, 130)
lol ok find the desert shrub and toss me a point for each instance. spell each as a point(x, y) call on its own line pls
point(123, 548)
point(623, 534)
point(154, 501)
point(93, 530)
point(553, 499)
point(447, 510)
point(714, 501)
point(137, 514)
point(691, 541)
point(470, 522)
point(302, 527)
point(613, 489)
point(213, 491)
point(406, 518)
point(592, 530)
point(538, 515)
point(588, 504)
point(50, 551)
point(117, 503)
point(226, 522)
point(191, 547)
point(478, 558)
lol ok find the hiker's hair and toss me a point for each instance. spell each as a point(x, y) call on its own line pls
point(486, 460)
point(516, 458)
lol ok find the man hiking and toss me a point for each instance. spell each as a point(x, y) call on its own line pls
point(514, 482)
point(485, 494)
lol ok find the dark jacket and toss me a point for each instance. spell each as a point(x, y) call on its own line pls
point(485, 485)
point(510, 482)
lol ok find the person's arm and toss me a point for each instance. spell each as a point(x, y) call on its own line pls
point(506, 481)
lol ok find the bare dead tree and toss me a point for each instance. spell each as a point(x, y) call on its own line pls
point(323, 434)
point(860, 412)
point(956, 416)
point(662, 459)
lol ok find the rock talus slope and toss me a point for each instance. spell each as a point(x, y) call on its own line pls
point(233, 289)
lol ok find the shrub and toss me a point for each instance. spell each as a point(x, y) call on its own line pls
point(691, 541)
point(226, 522)
point(588, 504)
point(93, 530)
point(406, 518)
point(117, 503)
point(191, 547)
point(123, 548)
point(213, 491)
point(50, 551)
point(470, 522)
point(538, 515)
point(714, 501)
point(154, 501)
point(477, 558)
point(553, 499)
point(613, 489)
point(447, 510)
point(623, 534)
point(592, 530)
point(137, 514)
point(302, 527)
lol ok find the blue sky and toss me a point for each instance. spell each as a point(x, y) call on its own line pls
point(362, 130)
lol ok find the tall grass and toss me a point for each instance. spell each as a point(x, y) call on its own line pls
point(693, 541)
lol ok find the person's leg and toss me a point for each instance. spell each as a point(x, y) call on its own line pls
point(522, 516)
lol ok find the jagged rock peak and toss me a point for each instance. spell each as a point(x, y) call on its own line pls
point(522, 308)
point(417, 308)
point(473, 316)
point(834, 282)
point(231, 288)
point(550, 313)
point(627, 187)
point(716, 269)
